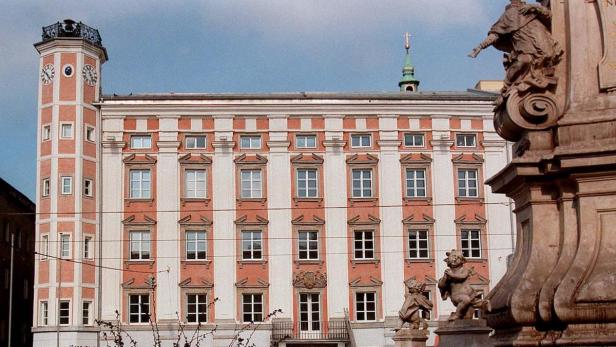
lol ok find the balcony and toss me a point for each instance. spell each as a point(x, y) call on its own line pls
point(70, 28)
point(317, 332)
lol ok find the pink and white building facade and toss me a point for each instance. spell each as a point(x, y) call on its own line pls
point(221, 208)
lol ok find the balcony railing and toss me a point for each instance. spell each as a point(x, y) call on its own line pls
point(70, 28)
point(334, 330)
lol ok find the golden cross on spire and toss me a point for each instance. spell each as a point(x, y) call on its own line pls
point(407, 41)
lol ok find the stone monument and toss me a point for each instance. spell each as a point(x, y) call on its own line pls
point(461, 329)
point(416, 334)
point(559, 107)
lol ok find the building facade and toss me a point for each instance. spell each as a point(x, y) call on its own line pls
point(16, 235)
point(221, 209)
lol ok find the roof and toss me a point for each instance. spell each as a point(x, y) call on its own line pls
point(470, 94)
point(18, 197)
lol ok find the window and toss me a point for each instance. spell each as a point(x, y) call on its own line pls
point(88, 187)
point(66, 131)
point(250, 142)
point(85, 313)
point(466, 140)
point(140, 141)
point(251, 245)
point(413, 140)
point(415, 183)
point(477, 311)
point(362, 183)
point(90, 134)
point(46, 134)
point(196, 308)
point(139, 308)
point(418, 244)
point(64, 312)
point(251, 184)
point(307, 183)
point(309, 312)
point(365, 306)
point(67, 185)
point(139, 245)
point(44, 313)
point(252, 307)
point(308, 245)
point(140, 184)
point(467, 183)
point(44, 246)
point(194, 183)
point(425, 314)
point(471, 243)
point(306, 141)
point(65, 245)
point(46, 187)
point(364, 244)
point(361, 140)
point(195, 142)
point(87, 245)
point(196, 245)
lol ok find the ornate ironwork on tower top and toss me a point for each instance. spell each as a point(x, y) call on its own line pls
point(70, 28)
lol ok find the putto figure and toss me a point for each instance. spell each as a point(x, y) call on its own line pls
point(523, 33)
point(455, 285)
point(414, 303)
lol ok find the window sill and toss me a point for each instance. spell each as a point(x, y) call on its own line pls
point(419, 260)
point(356, 200)
point(355, 262)
point(408, 199)
point(299, 262)
point(128, 263)
point(469, 198)
point(243, 200)
point(297, 200)
point(476, 260)
point(130, 201)
point(205, 201)
point(245, 262)
point(197, 262)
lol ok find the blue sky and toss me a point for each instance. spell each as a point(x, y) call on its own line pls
point(242, 46)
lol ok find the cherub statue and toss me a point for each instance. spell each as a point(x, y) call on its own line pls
point(414, 303)
point(455, 285)
point(523, 32)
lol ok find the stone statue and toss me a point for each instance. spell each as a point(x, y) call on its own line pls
point(455, 284)
point(414, 303)
point(523, 33)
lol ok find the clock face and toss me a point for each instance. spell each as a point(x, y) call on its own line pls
point(89, 74)
point(47, 73)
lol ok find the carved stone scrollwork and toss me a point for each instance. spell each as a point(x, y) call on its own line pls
point(534, 111)
point(310, 279)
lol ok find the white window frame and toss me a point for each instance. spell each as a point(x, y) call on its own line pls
point(139, 305)
point(304, 184)
point(44, 246)
point(417, 247)
point(63, 185)
point(89, 133)
point(462, 140)
point(414, 136)
point(196, 306)
point(88, 187)
point(64, 126)
point(254, 142)
point(138, 141)
point(362, 183)
point(192, 188)
point(65, 246)
point(304, 141)
point(144, 244)
point(43, 313)
point(197, 242)
point(139, 192)
point(87, 247)
point(466, 243)
point(311, 244)
point(46, 189)
point(311, 324)
point(464, 189)
point(253, 185)
point(255, 315)
point(360, 138)
point(67, 310)
point(86, 312)
point(364, 302)
point(195, 144)
point(412, 183)
point(46, 132)
point(253, 242)
point(363, 249)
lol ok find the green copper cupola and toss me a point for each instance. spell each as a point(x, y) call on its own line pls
point(408, 83)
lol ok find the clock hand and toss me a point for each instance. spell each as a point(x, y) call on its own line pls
point(46, 74)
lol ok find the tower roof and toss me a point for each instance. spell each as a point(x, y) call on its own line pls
point(408, 70)
point(69, 29)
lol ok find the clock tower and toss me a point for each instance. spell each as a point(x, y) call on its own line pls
point(68, 189)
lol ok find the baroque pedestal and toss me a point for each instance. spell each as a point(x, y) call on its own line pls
point(464, 332)
point(410, 338)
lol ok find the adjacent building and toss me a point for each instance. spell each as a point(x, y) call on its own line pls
point(222, 208)
point(16, 234)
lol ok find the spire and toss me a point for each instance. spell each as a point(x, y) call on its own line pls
point(408, 83)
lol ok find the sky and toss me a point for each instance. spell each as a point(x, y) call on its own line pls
point(242, 46)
